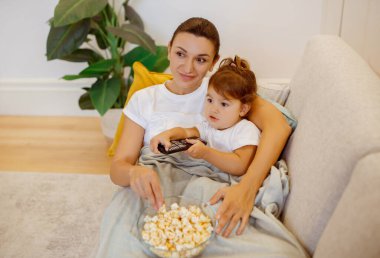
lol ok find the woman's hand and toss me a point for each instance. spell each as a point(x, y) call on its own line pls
point(146, 183)
point(197, 150)
point(163, 138)
point(236, 207)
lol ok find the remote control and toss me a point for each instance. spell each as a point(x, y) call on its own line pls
point(177, 145)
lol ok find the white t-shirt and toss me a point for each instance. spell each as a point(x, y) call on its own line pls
point(156, 109)
point(241, 134)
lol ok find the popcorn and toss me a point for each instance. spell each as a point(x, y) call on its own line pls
point(177, 229)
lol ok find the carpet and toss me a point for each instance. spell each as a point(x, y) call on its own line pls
point(51, 215)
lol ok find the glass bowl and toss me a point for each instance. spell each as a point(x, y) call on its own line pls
point(177, 251)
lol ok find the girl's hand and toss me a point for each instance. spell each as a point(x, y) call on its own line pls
point(163, 138)
point(236, 208)
point(197, 150)
point(146, 183)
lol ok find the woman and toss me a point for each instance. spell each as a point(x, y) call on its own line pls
point(193, 51)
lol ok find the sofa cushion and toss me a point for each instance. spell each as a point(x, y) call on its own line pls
point(277, 92)
point(354, 228)
point(335, 97)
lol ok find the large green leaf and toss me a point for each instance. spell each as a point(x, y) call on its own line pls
point(62, 41)
point(162, 61)
point(85, 100)
point(104, 94)
point(154, 62)
point(99, 68)
point(71, 11)
point(71, 77)
point(133, 16)
point(135, 35)
point(83, 55)
point(139, 54)
point(102, 42)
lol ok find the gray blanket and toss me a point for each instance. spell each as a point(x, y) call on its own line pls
point(180, 175)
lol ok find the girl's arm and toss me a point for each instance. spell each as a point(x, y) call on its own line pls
point(175, 133)
point(144, 181)
point(234, 163)
point(238, 199)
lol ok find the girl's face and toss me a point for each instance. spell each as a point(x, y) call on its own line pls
point(190, 57)
point(222, 112)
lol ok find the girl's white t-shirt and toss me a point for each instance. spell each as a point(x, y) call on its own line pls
point(241, 134)
point(156, 109)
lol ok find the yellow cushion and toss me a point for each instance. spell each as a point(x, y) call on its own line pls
point(142, 79)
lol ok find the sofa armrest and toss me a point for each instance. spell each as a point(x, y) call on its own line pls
point(354, 228)
point(335, 97)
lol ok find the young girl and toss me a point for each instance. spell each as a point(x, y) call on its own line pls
point(231, 139)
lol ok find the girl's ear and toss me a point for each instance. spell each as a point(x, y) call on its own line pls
point(244, 109)
point(216, 59)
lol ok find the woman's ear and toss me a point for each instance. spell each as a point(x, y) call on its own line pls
point(216, 59)
point(244, 109)
point(169, 48)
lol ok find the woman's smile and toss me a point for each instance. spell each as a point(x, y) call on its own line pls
point(186, 77)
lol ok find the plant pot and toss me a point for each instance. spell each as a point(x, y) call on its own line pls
point(109, 122)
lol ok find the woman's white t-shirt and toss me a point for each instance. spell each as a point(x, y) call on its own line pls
point(156, 109)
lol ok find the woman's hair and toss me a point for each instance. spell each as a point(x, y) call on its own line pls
point(202, 28)
point(234, 79)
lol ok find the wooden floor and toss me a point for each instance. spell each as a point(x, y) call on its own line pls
point(53, 144)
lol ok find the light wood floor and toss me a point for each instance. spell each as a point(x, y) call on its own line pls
point(53, 144)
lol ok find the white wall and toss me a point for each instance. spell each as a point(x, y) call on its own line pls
point(271, 34)
point(358, 23)
point(361, 29)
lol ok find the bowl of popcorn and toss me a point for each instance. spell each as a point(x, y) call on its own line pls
point(182, 227)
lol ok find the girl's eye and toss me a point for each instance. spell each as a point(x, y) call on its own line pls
point(209, 100)
point(224, 104)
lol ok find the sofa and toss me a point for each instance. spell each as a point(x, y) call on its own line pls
point(333, 156)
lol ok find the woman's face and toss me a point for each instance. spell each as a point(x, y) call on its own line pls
point(191, 57)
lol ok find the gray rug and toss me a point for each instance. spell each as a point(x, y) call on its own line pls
point(51, 215)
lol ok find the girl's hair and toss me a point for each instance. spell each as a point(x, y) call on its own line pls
point(202, 28)
point(234, 79)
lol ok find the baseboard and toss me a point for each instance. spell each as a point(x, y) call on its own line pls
point(42, 97)
point(52, 97)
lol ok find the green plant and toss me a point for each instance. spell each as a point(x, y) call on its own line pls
point(92, 31)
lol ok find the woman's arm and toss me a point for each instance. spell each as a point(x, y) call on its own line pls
point(127, 152)
point(238, 199)
point(275, 132)
point(144, 181)
point(234, 163)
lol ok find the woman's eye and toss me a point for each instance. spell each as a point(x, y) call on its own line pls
point(201, 60)
point(180, 54)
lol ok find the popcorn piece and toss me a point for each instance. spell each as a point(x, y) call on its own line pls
point(174, 206)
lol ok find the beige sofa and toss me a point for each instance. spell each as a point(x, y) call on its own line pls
point(334, 154)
